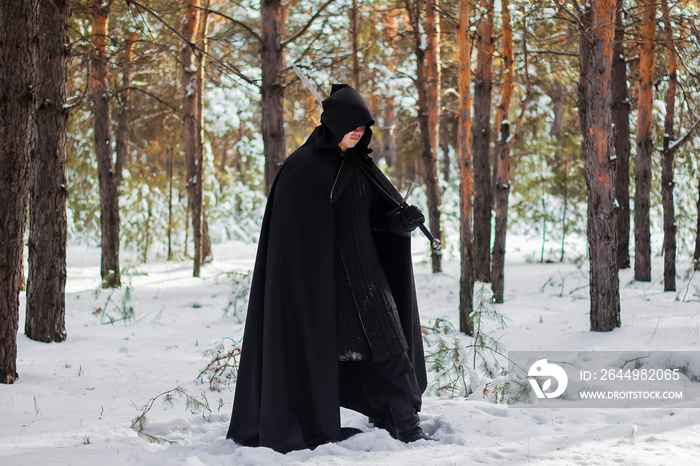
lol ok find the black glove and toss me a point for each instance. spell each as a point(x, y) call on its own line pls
point(403, 221)
point(411, 217)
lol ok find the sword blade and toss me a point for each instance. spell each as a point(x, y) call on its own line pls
point(309, 85)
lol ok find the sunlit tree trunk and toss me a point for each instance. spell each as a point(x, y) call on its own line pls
point(46, 300)
point(466, 178)
point(18, 53)
point(621, 134)
point(203, 32)
point(355, 52)
point(428, 156)
point(595, 51)
point(191, 127)
point(667, 158)
point(645, 146)
point(109, 202)
point(481, 139)
point(502, 168)
point(272, 90)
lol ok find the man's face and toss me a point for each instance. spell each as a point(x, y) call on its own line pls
point(351, 139)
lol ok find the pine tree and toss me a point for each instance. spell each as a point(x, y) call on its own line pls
point(46, 300)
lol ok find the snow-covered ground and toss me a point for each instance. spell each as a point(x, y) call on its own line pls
point(75, 402)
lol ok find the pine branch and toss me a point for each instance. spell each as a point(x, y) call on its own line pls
point(198, 51)
point(307, 25)
point(677, 144)
point(255, 35)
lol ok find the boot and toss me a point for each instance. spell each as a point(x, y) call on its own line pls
point(407, 422)
point(386, 424)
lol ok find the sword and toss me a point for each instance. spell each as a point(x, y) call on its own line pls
point(309, 85)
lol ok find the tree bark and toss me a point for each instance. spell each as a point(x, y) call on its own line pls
point(466, 178)
point(621, 135)
point(355, 53)
point(271, 90)
point(561, 158)
point(445, 118)
point(642, 179)
point(667, 159)
point(481, 138)
point(596, 50)
point(432, 61)
point(109, 202)
point(203, 32)
point(171, 153)
point(191, 128)
point(428, 156)
point(388, 138)
point(123, 114)
point(18, 59)
point(502, 168)
point(46, 300)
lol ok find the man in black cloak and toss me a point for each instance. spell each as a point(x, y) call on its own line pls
point(332, 318)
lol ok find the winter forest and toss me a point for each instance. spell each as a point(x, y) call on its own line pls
point(551, 144)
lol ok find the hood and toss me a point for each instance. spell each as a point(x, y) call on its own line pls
point(343, 111)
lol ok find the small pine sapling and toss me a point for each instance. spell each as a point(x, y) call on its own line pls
point(223, 365)
point(192, 404)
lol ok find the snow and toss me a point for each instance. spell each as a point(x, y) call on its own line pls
point(75, 401)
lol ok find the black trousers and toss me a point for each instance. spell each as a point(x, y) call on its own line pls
point(386, 390)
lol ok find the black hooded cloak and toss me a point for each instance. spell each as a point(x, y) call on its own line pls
point(287, 392)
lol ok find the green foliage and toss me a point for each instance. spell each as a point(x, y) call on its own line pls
point(238, 297)
point(117, 307)
point(448, 359)
point(451, 358)
point(483, 340)
point(222, 368)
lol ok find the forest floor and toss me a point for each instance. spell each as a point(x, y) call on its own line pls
point(75, 402)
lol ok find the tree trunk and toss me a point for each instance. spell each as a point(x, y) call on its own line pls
point(191, 128)
point(502, 168)
point(271, 90)
point(481, 131)
point(109, 202)
point(204, 45)
point(561, 158)
point(123, 114)
point(388, 138)
point(428, 156)
point(171, 153)
point(445, 118)
point(46, 299)
point(466, 178)
point(621, 135)
point(595, 51)
point(642, 179)
point(18, 49)
point(667, 159)
point(355, 53)
point(432, 61)
point(22, 278)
